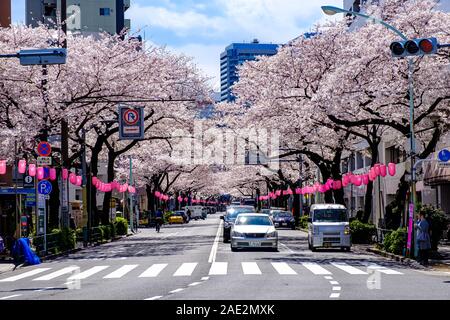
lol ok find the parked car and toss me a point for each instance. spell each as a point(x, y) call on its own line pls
point(283, 219)
point(328, 227)
point(230, 217)
point(196, 212)
point(265, 211)
point(253, 230)
point(204, 213)
point(176, 218)
point(184, 215)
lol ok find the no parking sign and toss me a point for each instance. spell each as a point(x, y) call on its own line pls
point(131, 123)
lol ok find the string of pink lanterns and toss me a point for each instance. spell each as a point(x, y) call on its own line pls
point(379, 170)
point(39, 173)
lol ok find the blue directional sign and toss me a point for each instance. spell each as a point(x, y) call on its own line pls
point(44, 187)
point(444, 155)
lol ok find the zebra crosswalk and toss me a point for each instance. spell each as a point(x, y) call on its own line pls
point(188, 269)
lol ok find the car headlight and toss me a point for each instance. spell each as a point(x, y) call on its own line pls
point(273, 234)
point(347, 230)
point(238, 234)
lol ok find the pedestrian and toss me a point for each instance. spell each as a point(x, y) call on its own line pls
point(423, 239)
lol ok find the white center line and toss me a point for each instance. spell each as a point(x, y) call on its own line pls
point(119, 273)
point(336, 289)
point(194, 284)
point(335, 295)
point(334, 282)
point(44, 289)
point(185, 269)
point(25, 275)
point(205, 278)
point(153, 271)
point(9, 297)
point(329, 278)
point(315, 268)
point(212, 255)
point(176, 290)
point(154, 298)
point(250, 268)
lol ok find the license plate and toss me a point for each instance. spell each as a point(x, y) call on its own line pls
point(284, 224)
point(327, 244)
point(255, 244)
point(277, 224)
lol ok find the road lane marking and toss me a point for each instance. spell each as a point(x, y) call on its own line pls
point(335, 295)
point(56, 274)
point(250, 268)
point(218, 268)
point(315, 268)
point(185, 269)
point(176, 290)
point(44, 289)
point(382, 269)
point(205, 278)
point(87, 273)
point(288, 249)
point(212, 255)
point(25, 275)
point(153, 271)
point(9, 297)
point(194, 284)
point(347, 268)
point(328, 278)
point(336, 289)
point(154, 298)
point(334, 282)
point(283, 268)
point(119, 273)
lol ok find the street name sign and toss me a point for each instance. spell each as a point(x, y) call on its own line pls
point(44, 161)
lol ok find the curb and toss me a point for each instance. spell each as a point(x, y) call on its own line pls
point(395, 257)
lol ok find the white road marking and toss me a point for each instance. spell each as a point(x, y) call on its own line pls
point(25, 275)
point(382, 269)
point(315, 268)
point(44, 289)
point(283, 268)
point(335, 295)
point(185, 269)
point(88, 273)
point(9, 297)
point(347, 268)
point(328, 278)
point(212, 255)
point(250, 268)
point(154, 298)
point(56, 274)
point(334, 282)
point(153, 271)
point(119, 273)
point(194, 284)
point(205, 278)
point(218, 268)
point(336, 289)
point(176, 290)
point(288, 249)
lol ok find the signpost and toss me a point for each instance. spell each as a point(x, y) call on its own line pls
point(44, 189)
point(44, 149)
point(44, 161)
point(131, 123)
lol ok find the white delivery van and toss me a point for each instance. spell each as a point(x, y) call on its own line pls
point(196, 212)
point(328, 227)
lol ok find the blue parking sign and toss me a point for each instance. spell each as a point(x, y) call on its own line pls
point(44, 187)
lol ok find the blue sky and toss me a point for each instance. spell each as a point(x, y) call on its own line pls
point(203, 28)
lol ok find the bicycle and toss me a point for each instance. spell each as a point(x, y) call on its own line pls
point(158, 224)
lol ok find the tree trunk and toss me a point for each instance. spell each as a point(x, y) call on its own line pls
point(104, 218)
point(53, 217)
point(368, 201)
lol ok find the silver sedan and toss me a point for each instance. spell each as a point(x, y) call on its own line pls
point(254, 230)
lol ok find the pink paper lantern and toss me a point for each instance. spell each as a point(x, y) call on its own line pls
point(392, 169)
point(73, 178)
point(377, 169)
point(94, 180)
point(365, 179)
point(22, 167)
point(383, 170)
point(357, 181)
point(2, 166)
point(52, 174)
point(337, 185)
point(278, 192)
point(130, 189)
point(40, 173)
point(186, 199)
point(32, 170)
point(298, 191)
point(345, 180)
point(65, 174)
point(157, 194)
point(79, 180)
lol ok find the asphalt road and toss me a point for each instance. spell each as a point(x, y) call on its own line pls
point(190, 262)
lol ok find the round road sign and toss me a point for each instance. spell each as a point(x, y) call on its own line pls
point(44, 149)
point(44, 187)
point(444, 155)
point(131, 117)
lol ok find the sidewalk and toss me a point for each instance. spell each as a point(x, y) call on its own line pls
point(6, 266)
point(441, 258)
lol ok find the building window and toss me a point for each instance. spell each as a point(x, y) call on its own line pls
point(105, 11)
point(359, 161)
point(394, 155)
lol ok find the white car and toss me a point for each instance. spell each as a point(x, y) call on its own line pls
point(254, 230)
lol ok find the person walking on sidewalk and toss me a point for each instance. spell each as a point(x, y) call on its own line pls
point(423, 238)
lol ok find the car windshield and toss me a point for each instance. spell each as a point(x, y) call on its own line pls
point(176, 214)
point(254, 221)
point(234, 212)
point(330, 215)
point(282, 214)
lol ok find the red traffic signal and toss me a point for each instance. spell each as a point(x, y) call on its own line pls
point(414, 47)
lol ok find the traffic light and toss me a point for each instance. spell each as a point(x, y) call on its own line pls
point(414, 47)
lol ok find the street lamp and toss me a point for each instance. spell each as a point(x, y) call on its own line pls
point(331, 10)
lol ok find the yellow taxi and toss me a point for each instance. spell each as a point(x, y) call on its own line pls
point(176, 217)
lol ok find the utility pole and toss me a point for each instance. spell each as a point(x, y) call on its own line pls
point(85, 179)
point(130, 195)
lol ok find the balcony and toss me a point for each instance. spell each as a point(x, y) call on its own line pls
point(126, 4)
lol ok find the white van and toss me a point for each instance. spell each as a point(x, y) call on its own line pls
point(196, 212)
point(328, 227)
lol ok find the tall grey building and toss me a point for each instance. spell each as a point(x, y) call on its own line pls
point(83, 16)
